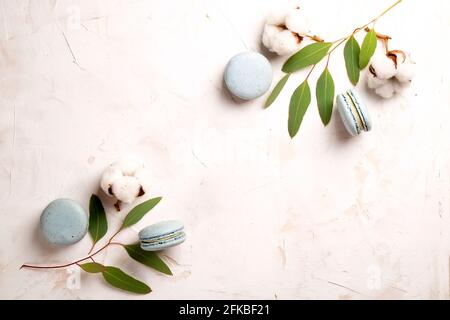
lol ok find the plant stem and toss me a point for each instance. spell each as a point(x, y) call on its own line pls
point(385, 11)
point(74, 262)
point(110, 239)
point(310, 71)
point(328, 61)
point(314, 37)
point(342, 40)
point(92, 247)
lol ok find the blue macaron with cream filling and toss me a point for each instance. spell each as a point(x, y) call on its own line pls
point(162, 235)
point(353, 112)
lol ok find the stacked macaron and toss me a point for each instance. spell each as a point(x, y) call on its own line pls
point(162, 235)
point(353, 112)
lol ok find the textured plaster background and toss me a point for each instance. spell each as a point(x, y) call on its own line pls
point(322, 216)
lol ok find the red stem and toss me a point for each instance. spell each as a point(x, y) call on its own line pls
point(71, 263)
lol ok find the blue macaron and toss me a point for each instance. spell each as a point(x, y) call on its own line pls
point(64, 222)
point(353, 112)
point(248, 75)
point(162, 235)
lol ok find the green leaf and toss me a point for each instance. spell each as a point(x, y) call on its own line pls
point(93, 267)
point(139, 211)
point(309, 55)
point(148, 258)
point(351, 56)
point(276, 90)
point(98, 225)
point(325, 96)
point(300, 100)
point(119, 279)
point(367, 49)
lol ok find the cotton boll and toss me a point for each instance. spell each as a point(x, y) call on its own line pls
point(269, 33)
point(383, 66)
point(285, 43)
point(126, 189)
point(113, 173)
point(125, 180)
point(375, 82)
point(297, 22)
point(130, 164)
point(405, 72)
point(386, 91)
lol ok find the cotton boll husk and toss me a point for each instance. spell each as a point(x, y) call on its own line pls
point(269, 33)
point(126, 189)
point(143, 176)
point(285, 43)
point(405, 71)
point(383, 66)
point(386, 91)
point(111, 174)
point(374, 82)
point(130, 164)
point(297, 22)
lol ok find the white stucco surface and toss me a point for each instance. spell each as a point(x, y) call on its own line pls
point(320, 216)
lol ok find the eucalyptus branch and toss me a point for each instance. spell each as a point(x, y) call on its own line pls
point(356, 58)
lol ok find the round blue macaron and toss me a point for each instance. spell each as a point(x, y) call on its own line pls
point(353, 112)
point(162, 235)
point(248, 75)
point(64, 222)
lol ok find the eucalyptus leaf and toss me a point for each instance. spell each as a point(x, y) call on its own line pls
point(307, 56)
point(300, 100)
point(276, 90)
point(98, 225)
point(351, 56)
point(368, 48)
point(119, 279)
point(148, 258)
point(139, 211)
point(93, 267)
point(325, 96)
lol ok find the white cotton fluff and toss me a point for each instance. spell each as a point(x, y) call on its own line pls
point(126, 189)
point(383, 66)
point(386, 91)
point(375, 82)
point(125, 180)
point(297, 22)
point(283, 31)
point(399, 86)
point(285, 43)
point(269, 33)
point(406, 71)
point(276, 17)
point(111, 174)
